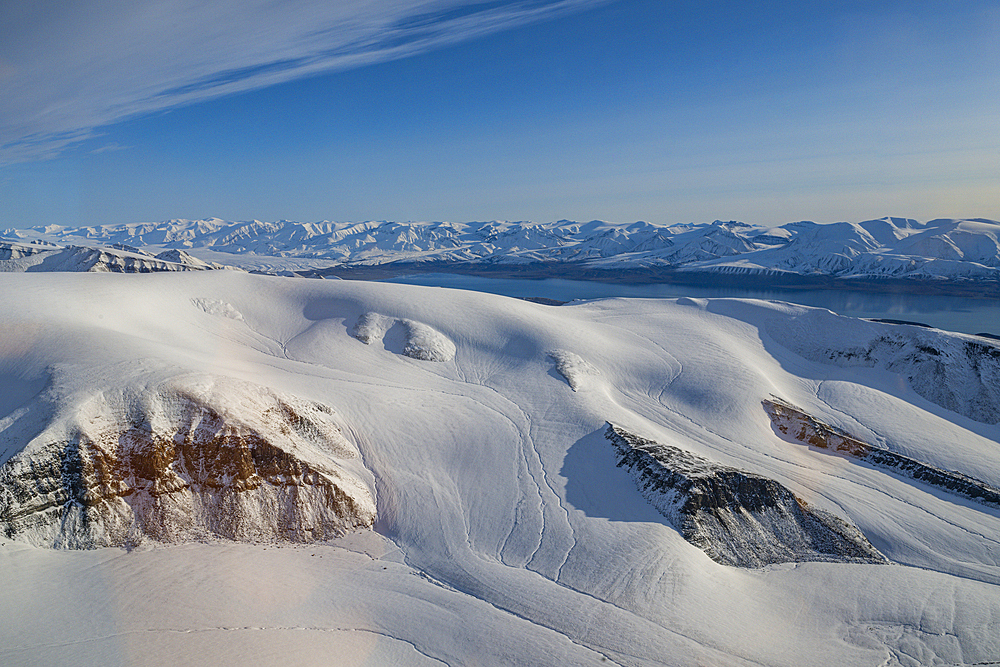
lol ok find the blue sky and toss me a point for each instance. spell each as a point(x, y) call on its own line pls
point(663, 111)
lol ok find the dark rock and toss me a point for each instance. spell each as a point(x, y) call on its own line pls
point(737, 517)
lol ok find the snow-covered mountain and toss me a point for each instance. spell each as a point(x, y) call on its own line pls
point(883, 248)
point(342, 472)
point(116, 258)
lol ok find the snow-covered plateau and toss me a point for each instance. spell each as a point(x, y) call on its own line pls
point(937, 251)
point(222, 468)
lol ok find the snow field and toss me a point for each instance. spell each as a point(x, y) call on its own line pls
point(506, 533)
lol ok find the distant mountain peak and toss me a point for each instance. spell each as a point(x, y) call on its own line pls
point(887, 247)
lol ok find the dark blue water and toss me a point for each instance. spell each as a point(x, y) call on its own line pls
point(944, 312)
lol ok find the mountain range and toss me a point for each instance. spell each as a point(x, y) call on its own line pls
point(943, 250)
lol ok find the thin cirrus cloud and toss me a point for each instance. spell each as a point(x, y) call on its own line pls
point(76, 67)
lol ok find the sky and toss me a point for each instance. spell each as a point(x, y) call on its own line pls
point(667, 111)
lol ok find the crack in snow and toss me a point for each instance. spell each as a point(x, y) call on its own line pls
point(529, 440)
point(532, 621)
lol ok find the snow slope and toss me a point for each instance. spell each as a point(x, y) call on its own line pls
point(504, 532)
point(883, 248)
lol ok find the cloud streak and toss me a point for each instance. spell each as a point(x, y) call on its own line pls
point(71, 68)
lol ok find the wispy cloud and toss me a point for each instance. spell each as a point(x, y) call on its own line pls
point(113, 147)
point(69, 68)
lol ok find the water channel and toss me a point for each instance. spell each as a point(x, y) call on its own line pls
point(952, 313)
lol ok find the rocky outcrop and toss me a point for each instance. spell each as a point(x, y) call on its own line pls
point(738, 518)
point(10, 251)
point(188, 460)
point(177, 256)
point(957, 372)
point(803, 428)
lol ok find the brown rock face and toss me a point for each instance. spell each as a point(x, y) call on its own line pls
point(806, 429)
point(233, 461)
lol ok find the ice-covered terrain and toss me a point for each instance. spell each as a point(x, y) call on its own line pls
point(491, 522)
point(886, 248)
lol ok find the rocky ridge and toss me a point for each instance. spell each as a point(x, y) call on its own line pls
point(957, 372)
point(805, 429)
point(190, 459)
point(736, 517)
point(115, 258)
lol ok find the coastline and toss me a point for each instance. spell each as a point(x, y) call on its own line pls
point(745, 279)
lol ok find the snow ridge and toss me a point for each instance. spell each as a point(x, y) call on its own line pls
point(115, 258)
point(736, 517)
point(960, 373)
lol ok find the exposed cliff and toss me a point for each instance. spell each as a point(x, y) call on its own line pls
point(806, 429)
point(194, 458)
point(736, 517)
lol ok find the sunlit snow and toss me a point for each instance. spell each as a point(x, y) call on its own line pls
point(504, 532)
